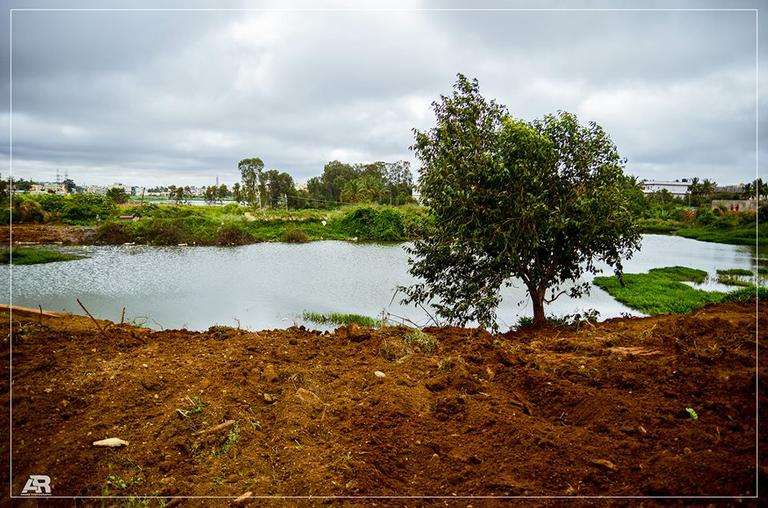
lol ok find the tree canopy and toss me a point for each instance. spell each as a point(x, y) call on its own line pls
point(250, 173)
point(375, 182)
point(540, 201)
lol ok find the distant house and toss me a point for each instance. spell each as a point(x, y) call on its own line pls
point(48, 188)
point(676, 188)
point(96, 189)
point(735, 205)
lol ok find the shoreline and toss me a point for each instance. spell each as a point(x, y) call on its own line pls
point(63, 234)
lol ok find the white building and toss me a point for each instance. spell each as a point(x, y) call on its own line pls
point(48, 188)
point(95, 189)
point(676, 188)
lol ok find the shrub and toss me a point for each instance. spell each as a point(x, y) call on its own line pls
point(160, 232)
point(295, 235)
point(83, 208)
point(113, 233)
point(29, 210)
point(746, 218)
point(706, 217)
point(233, 234)
point(232, 209)
point(374, 224)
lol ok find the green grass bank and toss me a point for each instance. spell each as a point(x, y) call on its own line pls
point(34, 256)
point(663, 290)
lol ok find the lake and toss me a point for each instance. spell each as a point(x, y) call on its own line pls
point(269, 285)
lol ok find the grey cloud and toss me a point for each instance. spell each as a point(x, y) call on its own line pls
point(166, 97)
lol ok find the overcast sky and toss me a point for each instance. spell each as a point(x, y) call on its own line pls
point(149, 98)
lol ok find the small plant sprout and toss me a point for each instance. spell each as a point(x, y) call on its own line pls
point(198, 405)
point(694, 416)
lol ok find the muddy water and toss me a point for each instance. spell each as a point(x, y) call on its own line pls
point(269, 285)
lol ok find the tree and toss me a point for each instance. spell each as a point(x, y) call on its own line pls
point(211, 194)
point(278, 187)
point(753, 189)
point(222, 192)
point(399, 182)
point(541, 201)
point(236, 197)
point(70, 185)
point(117, 195)
point(708, 188)
point(250, 173)
point(177, 194)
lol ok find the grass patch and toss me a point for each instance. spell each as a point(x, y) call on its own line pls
point(34, 256)
point(745, 295)
point(738, 235)
point(295, 235)
point(740, 276)
point(417, 339)
point(230, 441)
point(335, 318)
point(661, 290)
point(735, 271)
point(733, 280)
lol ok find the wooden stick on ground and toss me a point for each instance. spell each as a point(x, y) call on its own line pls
point(122, 316)
point(40, 316)
point(103, 332)
point(217, 428)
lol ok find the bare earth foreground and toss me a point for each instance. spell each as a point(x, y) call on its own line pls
point(599, 411)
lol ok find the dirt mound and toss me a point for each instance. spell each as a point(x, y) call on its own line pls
point(47, 233)
point(600, 411)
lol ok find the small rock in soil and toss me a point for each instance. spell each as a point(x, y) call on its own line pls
point(606, 464)
point(270, 374)
point(112, 442)
point(379, 373)
point(308, 397)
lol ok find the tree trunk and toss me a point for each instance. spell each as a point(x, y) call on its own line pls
point(537, 296)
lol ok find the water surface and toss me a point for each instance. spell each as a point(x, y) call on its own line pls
point(269, 285)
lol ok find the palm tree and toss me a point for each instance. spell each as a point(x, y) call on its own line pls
point(708, 187)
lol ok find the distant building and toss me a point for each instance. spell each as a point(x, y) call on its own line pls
point(95, 189)
point(48, 188)
point(735, 205)
point(676, 188)
point(739, 187)
point(126, 188)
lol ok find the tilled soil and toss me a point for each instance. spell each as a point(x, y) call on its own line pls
point(595, 411)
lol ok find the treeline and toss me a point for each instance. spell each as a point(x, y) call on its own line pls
point(82, 209)
point(694, 217)
point(385, 183)
point(702, 192)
